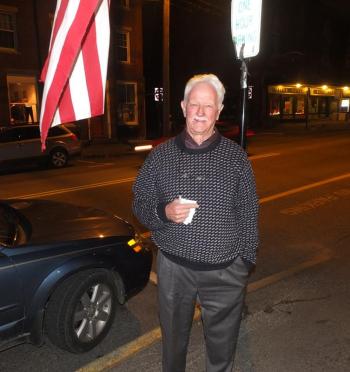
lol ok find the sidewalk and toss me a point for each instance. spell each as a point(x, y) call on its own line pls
point(295, 325)
point(112, 149)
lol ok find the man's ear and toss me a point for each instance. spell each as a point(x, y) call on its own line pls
point(183, 106)
point(219, 112)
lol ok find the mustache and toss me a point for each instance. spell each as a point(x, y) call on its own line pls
point(200, 118)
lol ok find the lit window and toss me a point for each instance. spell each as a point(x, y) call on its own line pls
point(345, 105)
point(22, 93)
point(127, 103)
point(123, 46)
point(8, 38)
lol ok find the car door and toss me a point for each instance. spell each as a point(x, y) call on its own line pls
point(29, 142)
point(10, 148)
point(11, 301)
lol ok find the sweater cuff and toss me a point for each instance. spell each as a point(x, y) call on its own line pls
point(161, 212)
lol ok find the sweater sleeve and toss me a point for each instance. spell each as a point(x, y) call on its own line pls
point(247, 211)
point(147, 206)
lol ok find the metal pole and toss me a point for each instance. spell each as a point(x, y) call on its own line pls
point(166, 74)
point(307, 108)
point(244, 86)
point(243, 127)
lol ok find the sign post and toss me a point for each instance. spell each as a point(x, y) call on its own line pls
point(245, 27)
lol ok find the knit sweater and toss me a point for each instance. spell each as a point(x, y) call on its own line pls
point(220, 179)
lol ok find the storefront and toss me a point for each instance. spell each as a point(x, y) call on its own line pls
point(307, 102)
point(344, 109)
point(23, 99)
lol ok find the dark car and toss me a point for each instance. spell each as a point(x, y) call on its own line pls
point(230, 130)
point(64, 270)
point(22, 143)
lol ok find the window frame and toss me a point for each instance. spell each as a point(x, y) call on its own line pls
point(135, 103)
point(11, 12)
point(127, 47)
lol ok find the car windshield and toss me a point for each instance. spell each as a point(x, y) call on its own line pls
point(8, 226)
point(14, 228)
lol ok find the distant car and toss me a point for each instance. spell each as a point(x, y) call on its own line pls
point(230, 130)
point(20, 144)
point(226, 127)
point(64, 270)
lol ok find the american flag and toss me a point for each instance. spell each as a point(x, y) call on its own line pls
point(76, 67)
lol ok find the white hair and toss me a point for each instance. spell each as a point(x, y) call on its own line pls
point(211, 79)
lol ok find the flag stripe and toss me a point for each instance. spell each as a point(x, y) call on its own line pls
point(76, 68)
point(61, 10)
point(92, 66)
point(66, 103)
point(57, 78)
point(79, 90)
point(59, 14)
point(103, 39)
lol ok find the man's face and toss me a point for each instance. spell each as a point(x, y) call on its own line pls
point(201, 110)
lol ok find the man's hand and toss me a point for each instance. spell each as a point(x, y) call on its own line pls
point(177, 211)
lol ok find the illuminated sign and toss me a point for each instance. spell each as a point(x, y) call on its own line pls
point(345, 104)
point(322, 91)
point(245, 26)
point(250, 92)
point(279, 89)
point(158, 94)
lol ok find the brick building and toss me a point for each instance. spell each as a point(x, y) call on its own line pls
point(25, 28)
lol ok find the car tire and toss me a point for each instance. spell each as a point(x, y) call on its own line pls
point(81, 310)
point(58, 158)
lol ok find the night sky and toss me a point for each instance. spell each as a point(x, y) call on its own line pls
point(306, 40)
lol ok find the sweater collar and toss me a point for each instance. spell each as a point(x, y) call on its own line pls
point(186, 143)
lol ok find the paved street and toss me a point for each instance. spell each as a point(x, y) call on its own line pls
point(296, 324)
point(298, 296)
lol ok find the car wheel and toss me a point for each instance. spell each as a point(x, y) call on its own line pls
point(81, 311)
point(58, 158)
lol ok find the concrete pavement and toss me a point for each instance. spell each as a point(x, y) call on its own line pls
point(294, 325)
point(296, 322)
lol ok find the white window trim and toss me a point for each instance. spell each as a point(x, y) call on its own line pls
point(128, 47)
point(10, 10)
point(134, 83)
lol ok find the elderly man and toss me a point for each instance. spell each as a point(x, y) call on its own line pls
point(196, 193)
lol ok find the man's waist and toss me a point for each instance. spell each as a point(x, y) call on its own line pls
point(196, 265)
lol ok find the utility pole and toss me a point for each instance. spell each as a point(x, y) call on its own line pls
point(244, 86)
point(166, 75)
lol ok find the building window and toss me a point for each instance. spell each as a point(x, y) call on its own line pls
point(287, 107)
point(8, 39)
point(123, 46)
point(127, 103)
point(274, 105)
point(23, 99)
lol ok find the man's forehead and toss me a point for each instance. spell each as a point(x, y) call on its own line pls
point(205, 88)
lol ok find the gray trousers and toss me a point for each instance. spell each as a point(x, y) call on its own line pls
point(221, 295)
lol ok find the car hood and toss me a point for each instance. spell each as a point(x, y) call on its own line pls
point(50, 221)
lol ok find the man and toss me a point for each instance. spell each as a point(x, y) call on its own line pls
point(199, 174)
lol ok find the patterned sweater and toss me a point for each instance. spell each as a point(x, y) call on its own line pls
point(220, 179)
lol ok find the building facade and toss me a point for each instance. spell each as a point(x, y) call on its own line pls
point(303, 70)
point(25, 28)
point(297, 102)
